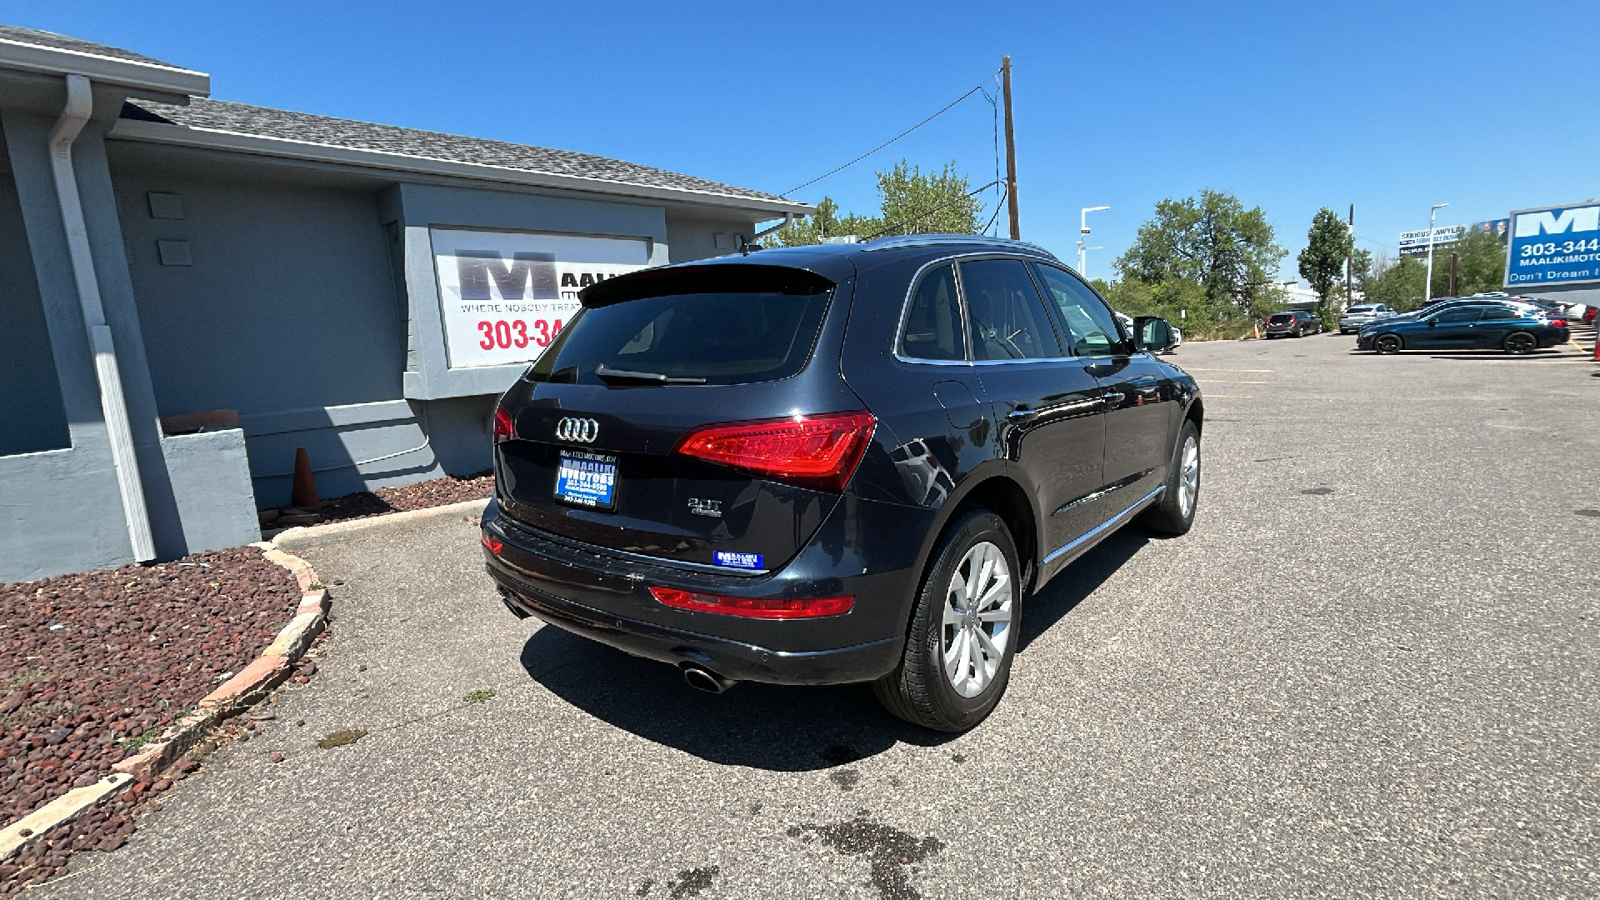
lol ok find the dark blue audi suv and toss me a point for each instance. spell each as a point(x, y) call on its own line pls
point(834, 464)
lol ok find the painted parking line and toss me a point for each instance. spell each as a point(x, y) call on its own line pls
point(1229, 397)
point(1257, 371)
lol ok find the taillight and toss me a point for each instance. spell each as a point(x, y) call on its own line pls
point(493, 545)
point(820, 452)
point(502, 424)
point(1559, 323)
point(806, 608)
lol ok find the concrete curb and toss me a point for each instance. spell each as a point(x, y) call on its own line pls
point(303, 537)
point(56, 813)
point(250, 684)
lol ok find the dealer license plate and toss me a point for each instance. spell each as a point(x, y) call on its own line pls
point(587, 479)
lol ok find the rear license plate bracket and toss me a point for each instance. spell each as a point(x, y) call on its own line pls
point(587, 479)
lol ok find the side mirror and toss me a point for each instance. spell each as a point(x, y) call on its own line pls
point(1152, 334)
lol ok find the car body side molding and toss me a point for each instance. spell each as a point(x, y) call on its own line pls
point(1107, 524)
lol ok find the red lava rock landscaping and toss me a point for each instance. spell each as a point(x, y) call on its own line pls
point(93, 665)
point(423, 495)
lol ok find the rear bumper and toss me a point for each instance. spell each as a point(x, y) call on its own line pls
point(605, 596)
point(728, 658)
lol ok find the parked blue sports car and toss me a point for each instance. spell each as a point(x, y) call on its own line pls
point(1477, 327)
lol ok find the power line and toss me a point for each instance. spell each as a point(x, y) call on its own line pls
point(999, 204)
point(952, 104)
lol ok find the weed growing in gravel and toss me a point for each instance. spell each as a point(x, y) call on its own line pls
point(478, 696)
point(34, 677)
point(134, 744)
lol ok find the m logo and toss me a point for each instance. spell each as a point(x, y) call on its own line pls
point(526, 270)
point(1585, 218)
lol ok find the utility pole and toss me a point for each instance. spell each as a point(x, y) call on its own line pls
point(1348, 299)
point(1011, 153)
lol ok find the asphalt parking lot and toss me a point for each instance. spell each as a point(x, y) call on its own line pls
point(1370, 670)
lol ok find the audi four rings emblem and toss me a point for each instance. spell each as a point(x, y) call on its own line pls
point(580, 430)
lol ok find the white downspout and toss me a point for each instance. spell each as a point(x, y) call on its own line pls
point(788, 219)
point(80, 104)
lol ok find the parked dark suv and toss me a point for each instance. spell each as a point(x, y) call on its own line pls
point(834, 464)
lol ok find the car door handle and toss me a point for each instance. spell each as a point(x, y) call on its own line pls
point(1113, 398)
point(1022, 412)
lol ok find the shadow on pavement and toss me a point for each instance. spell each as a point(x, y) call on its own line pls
point(1078, 581)
point(763, 726)
point(1480, 355)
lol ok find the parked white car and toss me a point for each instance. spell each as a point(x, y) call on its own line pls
point(1363, 314)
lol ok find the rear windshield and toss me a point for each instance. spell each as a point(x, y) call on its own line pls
point(1358, 310)
point(710, 338)
point(1281, 318)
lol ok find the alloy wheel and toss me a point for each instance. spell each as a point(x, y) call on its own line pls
point(976, 619)
point(1189, 477)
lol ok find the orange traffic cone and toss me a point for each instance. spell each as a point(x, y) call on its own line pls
point(304, 495)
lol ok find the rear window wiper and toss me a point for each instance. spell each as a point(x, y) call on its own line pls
point(624, 376)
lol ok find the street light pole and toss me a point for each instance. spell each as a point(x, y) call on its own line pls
point(1083, 231)
point(1427, 287)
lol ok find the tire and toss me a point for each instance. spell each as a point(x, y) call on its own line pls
point(1173, 514)
point(1388, 342)
point(947, 624)
point(1520, 342)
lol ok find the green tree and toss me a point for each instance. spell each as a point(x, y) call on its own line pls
point(825, 223)
point(1210, 241)
point(1480, 265)
point(1328, 247)
point(1398, 284)
point(936, 203)
point(909, 202)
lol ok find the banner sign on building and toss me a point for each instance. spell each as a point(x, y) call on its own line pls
point(1415, 243)
point(505, 295)
point(1554, 245)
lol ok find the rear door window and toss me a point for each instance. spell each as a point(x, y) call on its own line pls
point(932, 328)
point(710, 338)
point(1005, 318)
point(1499, 313)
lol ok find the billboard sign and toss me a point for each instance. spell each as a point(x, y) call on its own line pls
point(1554, 245)
point(1497, 227)
point(1415, 243)
point(504, 295)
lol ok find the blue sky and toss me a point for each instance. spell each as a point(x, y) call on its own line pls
point(1291, 106)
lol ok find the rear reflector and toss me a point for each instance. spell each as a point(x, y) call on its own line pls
point(751, 607)
point(820, 452)
point(502, 424)
point(494, 546)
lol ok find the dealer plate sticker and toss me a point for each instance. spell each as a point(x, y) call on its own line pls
point(587, 479)
point(737, 560)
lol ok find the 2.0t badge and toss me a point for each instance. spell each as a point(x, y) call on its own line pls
point(699, 507)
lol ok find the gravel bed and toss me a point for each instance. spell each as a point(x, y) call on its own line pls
point(423, 495)
point(94, 665)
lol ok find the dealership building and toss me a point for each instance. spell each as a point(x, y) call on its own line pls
point(194, 289)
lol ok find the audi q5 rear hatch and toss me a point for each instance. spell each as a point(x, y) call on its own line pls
point(690, 414)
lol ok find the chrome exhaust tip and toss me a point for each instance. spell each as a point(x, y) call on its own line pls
point(705, 680)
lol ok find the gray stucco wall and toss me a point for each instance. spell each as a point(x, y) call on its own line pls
point(60, 510)
point(32, 417)
point(694, 237)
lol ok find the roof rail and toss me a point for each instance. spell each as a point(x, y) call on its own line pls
point(936, 240)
